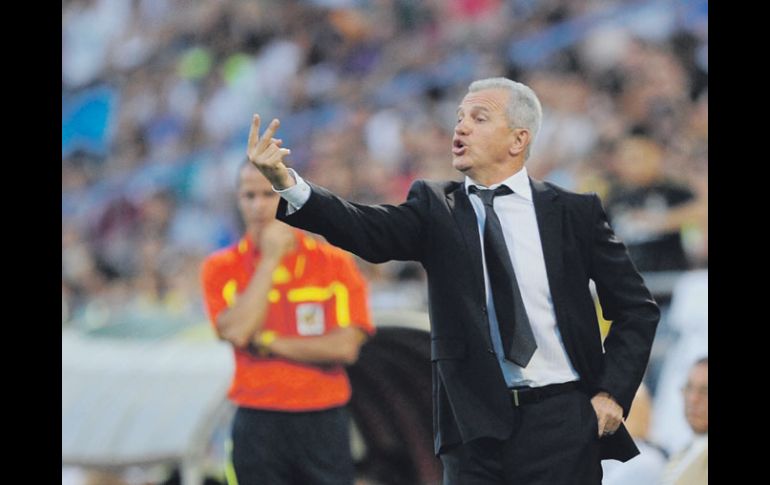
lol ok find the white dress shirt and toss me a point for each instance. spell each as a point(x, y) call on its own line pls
point(549, 364)
point(297, 194)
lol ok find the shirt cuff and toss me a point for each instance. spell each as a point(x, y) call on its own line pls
point(296, 195)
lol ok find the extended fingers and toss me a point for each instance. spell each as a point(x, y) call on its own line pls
point(256, 144)
point(613, 423)
point(272, 155)
point(253, 134)
point(609, 421)
point(267, 137)
point(276, 156)
point(602, 424)
point(609, 413)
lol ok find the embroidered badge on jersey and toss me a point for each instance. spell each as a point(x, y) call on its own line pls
point(310, 319)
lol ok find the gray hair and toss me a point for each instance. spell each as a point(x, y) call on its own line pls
point(524, 109)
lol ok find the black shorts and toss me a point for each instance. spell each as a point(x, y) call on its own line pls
point(283, 448)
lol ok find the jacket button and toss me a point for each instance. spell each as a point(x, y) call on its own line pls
point(484, 310)
point(491, 351)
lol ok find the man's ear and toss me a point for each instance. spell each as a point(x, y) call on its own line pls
point(519, 141)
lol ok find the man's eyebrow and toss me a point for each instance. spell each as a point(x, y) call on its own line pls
point(475, 107)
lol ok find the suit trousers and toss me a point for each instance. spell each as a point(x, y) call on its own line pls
point(554, 442)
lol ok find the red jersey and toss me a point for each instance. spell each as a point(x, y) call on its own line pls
point(316, 289)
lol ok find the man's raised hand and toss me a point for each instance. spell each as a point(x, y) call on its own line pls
point(267, 155)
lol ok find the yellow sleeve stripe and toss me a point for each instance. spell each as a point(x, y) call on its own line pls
point(318, 294)
point(310, 243)
point(343, 305)
point(299, 266)
point(229, 292)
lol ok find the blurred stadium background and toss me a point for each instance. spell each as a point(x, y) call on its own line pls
point(157, 98)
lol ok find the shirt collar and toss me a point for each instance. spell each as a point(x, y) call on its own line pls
point(518, 182)
point(247, 246)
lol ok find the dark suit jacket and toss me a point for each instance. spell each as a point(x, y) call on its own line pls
point(437, 227)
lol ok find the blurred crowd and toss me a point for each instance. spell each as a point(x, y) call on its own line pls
point(158, 95)
point(157, 99)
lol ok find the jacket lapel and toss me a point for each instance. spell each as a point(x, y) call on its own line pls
point(465, 217)
point(549, 212)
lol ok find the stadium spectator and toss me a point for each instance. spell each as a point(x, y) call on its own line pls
point(690, 466)
point(687, 323)
point(640, 206)
point(178, 74)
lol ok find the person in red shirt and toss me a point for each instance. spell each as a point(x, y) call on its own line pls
point(296, 313)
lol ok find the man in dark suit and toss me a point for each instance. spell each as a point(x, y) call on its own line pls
point(524, 391)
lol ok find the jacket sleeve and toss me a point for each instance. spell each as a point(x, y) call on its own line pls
point(376, 233)
point(626, 301)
